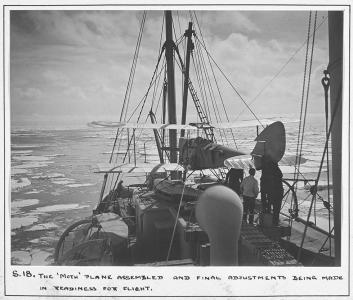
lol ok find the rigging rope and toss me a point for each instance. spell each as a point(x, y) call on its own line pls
point(155, 83)
point(282, 68)
point(231, 84)
point(326, 83)
point(302, 123)
point(337, 103)
point(128, 93)
point(216, 82)
point(180, 32)
point(175, 223)
point(153, 80)
point(297, 161)
point(304, 104)
point(212, 96)
point(308, 89)
point(131, 78)
point(302, 127)
point(144, 98)
point(303, 116)
point(197, 66)
point(126, 98)
point(133, 68)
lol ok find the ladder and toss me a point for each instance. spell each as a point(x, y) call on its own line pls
point(207, 128)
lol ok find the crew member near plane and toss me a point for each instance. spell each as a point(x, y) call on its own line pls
point(234, 178)
point(264, 185)
point(271, 189)
point(250, 189)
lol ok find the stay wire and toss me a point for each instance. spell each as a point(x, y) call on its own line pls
point(297, 161)
point(280, 70)
point(154, 77)
point(131, 78)
point(144, 98)
point(308, 88)
point(159, 98)
point(128, 90)
point(205, 79)
point(326, 84)
point(198, 82)
point(160, 48)
point(306, 107)
point(175, 223)
point(197, 65)
point(181, 33)
point(264, 88)
point(135, 62)
point(222, 132)
point(337, 104)
point(232, 86)
point(202, 82)
point(156, 85)
point(212, 97)
point(216, 82)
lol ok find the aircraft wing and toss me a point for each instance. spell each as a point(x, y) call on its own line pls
point(191, 126)
point(252, 123)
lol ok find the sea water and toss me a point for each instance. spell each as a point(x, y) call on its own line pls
point(53, 183)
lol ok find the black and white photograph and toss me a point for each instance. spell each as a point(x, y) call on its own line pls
point(177, 138)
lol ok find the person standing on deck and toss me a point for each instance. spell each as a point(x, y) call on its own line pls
point(250, 189)
point(266, 207)
point(276, 193)
point(271, 189)
point(234, 178)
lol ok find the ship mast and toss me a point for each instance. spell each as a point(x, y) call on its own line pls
point(189, 48)
point(169, 55)
point(335, 21)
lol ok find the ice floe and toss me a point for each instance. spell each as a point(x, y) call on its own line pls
point(23, 203)
point(48, 239)
point(74, 185)
point(34, 191)
point(34, 164)
point(25, 147)
point(45, 240)
point(21, 257)
point(63, 181)
point(49, 176)
point(24, 133)
point(31, 158)
point(35, 241)
point(17, 184)
point(60, 207)
point(115, 153)
point(34, 257)
point(54, 155)
point(19, 222)
point(40, 258)
point(16, 171)
point(45, 226)
point(21, 152)
point(56, 193)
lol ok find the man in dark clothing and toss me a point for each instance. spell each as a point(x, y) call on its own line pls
point(271, 189)
point(266, 208)
point(234, 178)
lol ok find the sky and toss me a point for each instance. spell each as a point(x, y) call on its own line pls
point(73, 66)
